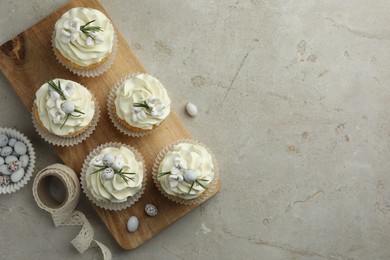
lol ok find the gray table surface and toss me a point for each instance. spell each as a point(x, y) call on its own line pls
point(294, 101)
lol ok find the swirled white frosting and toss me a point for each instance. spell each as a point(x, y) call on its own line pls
point(182, 158)
point(142, 89)
point(116, 189)
point(77, 46)
point(50, 107)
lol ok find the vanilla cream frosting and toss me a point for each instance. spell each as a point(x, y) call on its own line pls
point(115, 189)
point(142, 101)
point(186, 170)
point(52, 111)
point(84, 49)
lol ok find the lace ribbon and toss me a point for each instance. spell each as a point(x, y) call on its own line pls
point(64, 213)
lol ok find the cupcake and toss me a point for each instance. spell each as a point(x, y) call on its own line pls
point(113, 176)
point(64, 109)
point(186, 172)
point(138, 104)
point(84, 40)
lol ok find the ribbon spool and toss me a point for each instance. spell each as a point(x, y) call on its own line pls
point(63, 212)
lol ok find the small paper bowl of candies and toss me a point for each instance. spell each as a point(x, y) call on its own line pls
point(17, 160)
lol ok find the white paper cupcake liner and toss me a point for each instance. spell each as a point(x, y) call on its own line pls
point(12, 187)
point(114, 119)
point(67, 141)
point(203, 196)
point(89, 72)
point(112, 205)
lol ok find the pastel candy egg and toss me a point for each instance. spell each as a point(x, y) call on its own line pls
point(151, 210)
point(20, 148)
point(191, 109)
point(24, 159)
point(14, 166)
point(11, 142)
point(18, 175)
point(67, 107)
point(6, 150)
point(132, 224)
point(117, 165)
point(190, 176)
point(108, 159)
point(1, 160)
point(10, 158)
point(3, 140)
point(4, 170)
point(108, 173)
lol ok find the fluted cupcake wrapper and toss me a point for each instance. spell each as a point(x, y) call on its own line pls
point(113, 116)
point(89, 72)
point(203, 196)
point(112, 205)
point(12, 187)
point(67, 141)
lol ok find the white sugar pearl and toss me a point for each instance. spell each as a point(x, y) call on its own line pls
point(190, 176)
point(20, 148)
point(18, 175)
point(191, 109)
point(3, 140)
point(132, 224)
point(67, 107)
point(108, 159)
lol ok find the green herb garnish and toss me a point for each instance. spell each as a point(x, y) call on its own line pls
point(122, 174)
point(88, 29)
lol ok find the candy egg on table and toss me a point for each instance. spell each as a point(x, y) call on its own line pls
point(191, 109)
point(132, 224)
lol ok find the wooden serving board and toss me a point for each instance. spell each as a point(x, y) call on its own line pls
point(28, 61)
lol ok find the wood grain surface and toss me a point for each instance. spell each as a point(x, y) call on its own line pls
point(28, 61)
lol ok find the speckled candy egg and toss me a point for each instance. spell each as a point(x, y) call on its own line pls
point(108, 173)
point(4, 180)
point(20, 148)
point(6, 150)
point(108, 159)
point(3, 140)
point(151, 210)
point(4, 170)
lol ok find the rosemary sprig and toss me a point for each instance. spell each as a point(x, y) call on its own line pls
point(200, 184)
point(162, 174)
point(122, 174)
point(57, 88)
point(88, 29)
